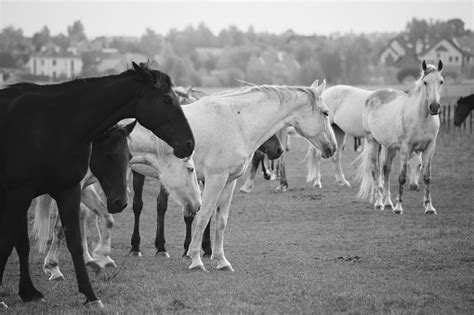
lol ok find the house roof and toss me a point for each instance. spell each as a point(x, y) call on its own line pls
point(451, 42)
point(466, 43)
point(55, 52)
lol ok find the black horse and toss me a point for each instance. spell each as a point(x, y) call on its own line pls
point(272, 147)
point(464, 107)
point(45, 146)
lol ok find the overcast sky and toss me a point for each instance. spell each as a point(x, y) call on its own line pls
point(130, 17)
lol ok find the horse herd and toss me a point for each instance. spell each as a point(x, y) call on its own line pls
point(61, 142)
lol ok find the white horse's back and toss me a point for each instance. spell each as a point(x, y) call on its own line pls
point(346, 104)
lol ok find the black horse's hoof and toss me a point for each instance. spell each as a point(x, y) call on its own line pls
point(31, 294)
point(207, 253)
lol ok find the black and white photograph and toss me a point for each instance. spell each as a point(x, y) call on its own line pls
point(330, 142)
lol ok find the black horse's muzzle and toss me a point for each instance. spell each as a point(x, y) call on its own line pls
point(116, 205)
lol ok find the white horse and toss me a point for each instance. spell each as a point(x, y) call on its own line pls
point(228, 128)
point(151, 157)
point(402, 121)
point(346, 104)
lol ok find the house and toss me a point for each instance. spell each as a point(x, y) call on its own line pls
point(456, 55)
point(450, 52)
point(55, 63)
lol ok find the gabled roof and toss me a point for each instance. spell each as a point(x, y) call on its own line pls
point(451, 42)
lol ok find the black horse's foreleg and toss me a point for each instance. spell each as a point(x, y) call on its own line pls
point(266, 174)
point(206, 240)
point(138, 182)
point(27, 291)
point(68, 202)
point(14, 232)
point(161, 207)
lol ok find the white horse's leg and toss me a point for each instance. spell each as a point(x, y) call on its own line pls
point(374, 148)
point(401, 179)
point(222, 214)
point(414, 170)
point(51, 261)
point(317, 168)
point(212, 190)
point(427, 157)
point(100, 254)
point(341, 140)
point(387, 169)
point(83, 216)
point(248, 186)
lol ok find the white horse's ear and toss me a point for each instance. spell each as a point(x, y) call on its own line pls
point(423, 65)
point(440, 65)
point(320, 89)
point(315, 84)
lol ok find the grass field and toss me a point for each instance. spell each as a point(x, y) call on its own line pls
point(304, 251)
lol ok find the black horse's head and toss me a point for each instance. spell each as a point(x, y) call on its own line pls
point(463, 108)
point(109, 163)
point(159, 110)
point(272, 148)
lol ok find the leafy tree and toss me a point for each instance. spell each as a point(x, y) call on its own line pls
point(76, 32)
point(41, 38)
point(150, 42)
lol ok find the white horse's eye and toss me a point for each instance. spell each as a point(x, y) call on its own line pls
point(441, 82)
point(424, 82)
point(326, 113)
point(190, 169)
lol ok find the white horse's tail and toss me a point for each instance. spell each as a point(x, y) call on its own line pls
point(364, 173)
point(42, 227)
point(311, 163)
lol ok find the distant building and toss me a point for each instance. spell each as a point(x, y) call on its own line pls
point(55, 63)
point(456, 53)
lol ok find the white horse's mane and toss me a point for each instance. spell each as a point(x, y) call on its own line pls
point(282, 92)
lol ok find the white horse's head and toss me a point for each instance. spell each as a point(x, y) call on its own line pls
point(179, 177)
point(312, 122)
point(432, 81)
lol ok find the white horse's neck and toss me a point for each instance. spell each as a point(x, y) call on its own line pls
point(264, 113)
point(417, 101)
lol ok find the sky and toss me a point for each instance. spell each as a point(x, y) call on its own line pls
point(131, 18)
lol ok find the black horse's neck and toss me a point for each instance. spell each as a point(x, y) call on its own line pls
point(89, 106)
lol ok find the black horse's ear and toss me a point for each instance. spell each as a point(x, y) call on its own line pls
point(129, 127)
point(142, 73)
point(440, 65)
point(423, 65)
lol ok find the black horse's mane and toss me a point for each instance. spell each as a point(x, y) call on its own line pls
point(466, 99)
point(160, 80)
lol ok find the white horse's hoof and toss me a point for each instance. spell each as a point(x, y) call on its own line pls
point(3, 305)
point(98, 305)
point(56, 277)
point(226, 268)
point(95, 267)
point(379, 207)
point(431, 211)
point(136, 254)
point(163, 254)
point(397, 211)
point(388, 206)
point(198, 268)
point(318, 185)
point(245, 190)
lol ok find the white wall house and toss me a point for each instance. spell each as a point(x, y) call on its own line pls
point(55, 64)
point(453, 57)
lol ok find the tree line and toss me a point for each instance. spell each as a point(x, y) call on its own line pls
point(196, 56)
